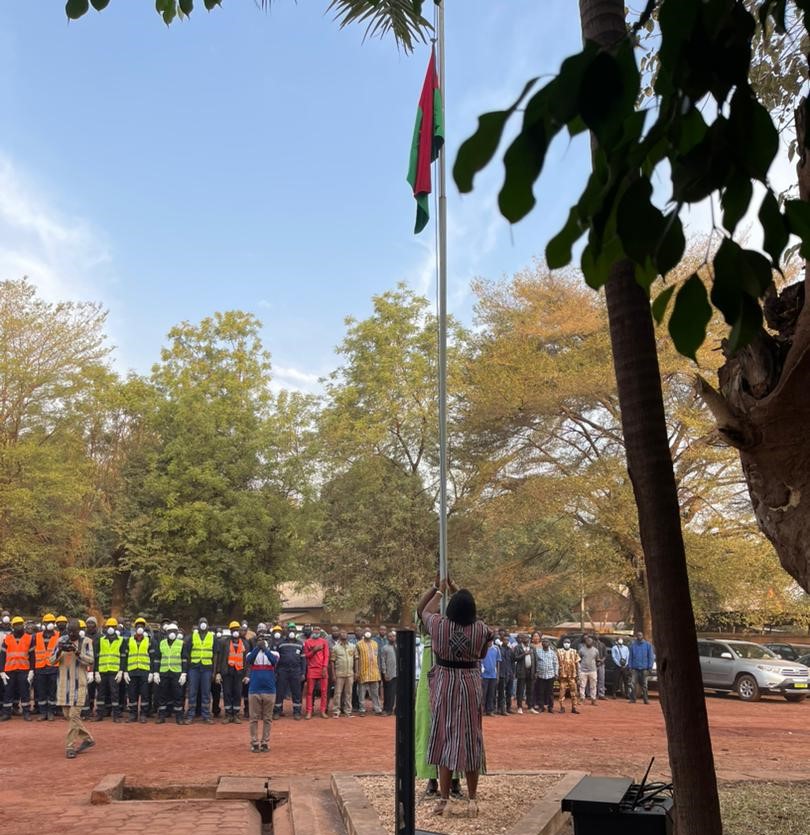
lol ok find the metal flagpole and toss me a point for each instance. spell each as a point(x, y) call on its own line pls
point(442, 288)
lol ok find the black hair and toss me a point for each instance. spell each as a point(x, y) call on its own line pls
point(461, 608)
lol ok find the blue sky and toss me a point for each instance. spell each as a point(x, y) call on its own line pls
point(253, 160)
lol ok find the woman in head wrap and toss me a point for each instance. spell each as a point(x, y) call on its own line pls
point(459, 641)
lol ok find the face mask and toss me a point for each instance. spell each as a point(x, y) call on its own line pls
point(172, 635)
point(180, 635)
point(49, 627)
point(367, 634)
point(18, 630)
point(498, 642)
point(277, 635)
point(139, 630)
point(81, 633)
point(235, 633)
point(203, 626)
point(291, 635)
point(620, 641)
point(566, 644)
point(316, 635)
point(6, 618)
point(110, 631)
point(118, 632)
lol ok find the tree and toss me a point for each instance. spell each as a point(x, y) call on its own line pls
point(376, 545)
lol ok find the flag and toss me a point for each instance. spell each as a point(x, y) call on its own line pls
point(428, 138)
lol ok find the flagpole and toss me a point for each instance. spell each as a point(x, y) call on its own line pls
point(442, 293)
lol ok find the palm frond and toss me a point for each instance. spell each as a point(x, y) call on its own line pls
point(402, 18)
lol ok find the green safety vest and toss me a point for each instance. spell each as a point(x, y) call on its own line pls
point(139, 655)
point(170, 655)
point(109, 655)
point(202, 650)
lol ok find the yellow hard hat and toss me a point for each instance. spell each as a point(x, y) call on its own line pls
point(82, 624)
point(276, 628)
point(111, 622)
point(234, 624)
point(16, 619)
point(139, 620)
point(61, 619)
point(48, 618)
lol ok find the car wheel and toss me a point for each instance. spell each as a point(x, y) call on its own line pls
point(795, 697)
point(747, 688)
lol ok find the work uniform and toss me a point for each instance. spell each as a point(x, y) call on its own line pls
point(45, 673)
point(568, 675)
point(108, 665)
point(316, 652)
point(290, 672)
point(170, 664)
point(92, 685)
point(199, 651)
point(138, 665)
point(17, 661)
point(232, 654)
point(344, 664)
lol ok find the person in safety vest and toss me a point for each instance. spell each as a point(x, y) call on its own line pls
point(137, 664)
point(169, 672)
point(108, 672)
point(17, 661)
point(45, 673)
point(290, 672)
point(5, 629)
point(199, 650)
point(73, 656)
point(231, 671)
point(61, 624)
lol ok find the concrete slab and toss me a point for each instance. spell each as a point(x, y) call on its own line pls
point(107, 789)
point(242, 788)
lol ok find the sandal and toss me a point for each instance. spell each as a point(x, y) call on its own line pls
point(472, 808)
point(440, 806)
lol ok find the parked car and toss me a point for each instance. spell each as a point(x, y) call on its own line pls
point(786, 651)
point(750, 670)
point(804, 659)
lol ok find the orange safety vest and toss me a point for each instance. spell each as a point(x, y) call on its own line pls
point(17, 652)
point(43, 652)
point(236, 657)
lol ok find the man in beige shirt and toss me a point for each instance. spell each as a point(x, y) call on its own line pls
point(73, 656)
point(343, 663)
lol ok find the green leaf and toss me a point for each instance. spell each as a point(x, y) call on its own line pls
point(523, 162)
point(671, 245)
point(211, 4)
point(756, 275)
point(703, 169)
point(691, 314)
point(74, 9)
point(746, 326)
point(563, 103)
point(476, 151)
point(186, 6)
point(775, 232)
point(639, 224)
point(558, 249)
point(100, 5)
point(596, 265)
point(797, 213)
point(735, 200)
point(659, 306)
point(608, 92)
point(753, 135)
point(726, 292)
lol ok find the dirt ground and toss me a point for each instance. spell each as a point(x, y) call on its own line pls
point(765, 740)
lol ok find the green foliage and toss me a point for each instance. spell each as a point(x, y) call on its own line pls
point(705, 56)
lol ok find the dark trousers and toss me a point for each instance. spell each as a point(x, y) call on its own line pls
point(45, 691)
point(390, 695)
point(170, 694)
point(524, 692)
point(355, 697)
point(544, 693)
point(490, 687)
point(232, 691)
point(139, 689)
point(623, 682)
point(216, 697)
point(288, 683)
point(90, 700)
point(107, 696)
point(505, 693)
point(639, 683)
point(17, 690)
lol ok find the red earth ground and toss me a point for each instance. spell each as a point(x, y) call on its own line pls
point(752, 741)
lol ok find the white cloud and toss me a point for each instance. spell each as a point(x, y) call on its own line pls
point(295, 379)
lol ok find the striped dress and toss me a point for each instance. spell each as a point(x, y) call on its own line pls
point(456, 739)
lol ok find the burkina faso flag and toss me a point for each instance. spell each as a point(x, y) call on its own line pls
point(428, 138)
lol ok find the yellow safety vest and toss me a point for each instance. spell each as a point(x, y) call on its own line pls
point(109, 655)
point(170, 656)
point(202, 650)
point(138, 655)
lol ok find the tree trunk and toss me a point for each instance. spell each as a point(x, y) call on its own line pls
point(118, 596)
point(649, 465)
point(641, 604)
point(763, 409)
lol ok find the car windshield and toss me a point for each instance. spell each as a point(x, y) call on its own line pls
point(751, 651)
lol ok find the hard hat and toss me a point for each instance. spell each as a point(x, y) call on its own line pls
point(291, 625)
point(82, 624)
point(139, 620)
point(60, 619)
point(16, 619)
point(111, 622)
point(48, 618)
point(234, 624)
point(277, 628)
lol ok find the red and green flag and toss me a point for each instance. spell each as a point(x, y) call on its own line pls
point(428, 138)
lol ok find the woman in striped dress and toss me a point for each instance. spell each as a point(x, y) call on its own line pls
point(459, 642)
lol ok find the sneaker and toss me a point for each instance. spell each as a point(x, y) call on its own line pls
point(574, 710)
point(535, 710)
point(432, 788)
point(324, 714)
point(71, 754)
point(296, 717)
point(264, 747)
point(308, 716)
point(131, 719)
point(161, 720)
point(254, 747)
point(208, 721)
point(27, 717)
point(88, 743)
point(520, 711)
point(593, 702)
point(97, 719)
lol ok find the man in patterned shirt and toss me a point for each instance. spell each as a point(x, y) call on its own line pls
point(368, 674)
point(568, 675)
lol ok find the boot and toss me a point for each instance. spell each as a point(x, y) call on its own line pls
point(26, 716)
point(98, 718)
point(51, 716)
point(179, 719)
point(161, 720)
point(43, 717)
point(131, 718)
point(574, 710)
point(235, 719)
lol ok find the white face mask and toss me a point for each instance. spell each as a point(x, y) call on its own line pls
point(139, 630)
point(566, 644)
point(367, 634)
point(620, 641)
point(6, 618)
point(235, 633)
point(291, 635)
point(118, 632)
point(110, 631)
point(180, 635)
point(277, 635)
point(50, 627)
point(172, 635)
point(203, 626)
point(81, 633)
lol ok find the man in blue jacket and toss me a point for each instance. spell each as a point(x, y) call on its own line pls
point(640, 662)
point(261, 668)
